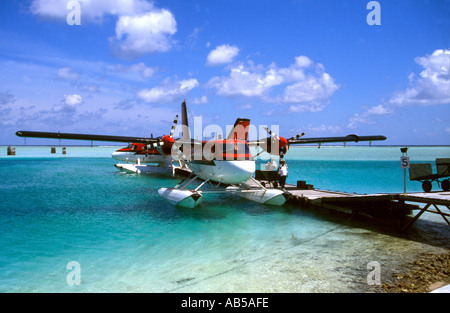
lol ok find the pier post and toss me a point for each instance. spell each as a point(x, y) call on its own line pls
point(404, 164)
point(11, 151)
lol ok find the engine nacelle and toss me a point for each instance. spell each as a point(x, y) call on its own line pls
point(165, 145)
point(275, 146)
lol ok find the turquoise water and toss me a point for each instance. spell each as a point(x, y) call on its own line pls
point(58, 208)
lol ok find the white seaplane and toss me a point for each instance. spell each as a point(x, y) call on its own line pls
point(142, 155)
point(226, 164)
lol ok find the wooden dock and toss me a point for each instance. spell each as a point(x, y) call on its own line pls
point(394, 207)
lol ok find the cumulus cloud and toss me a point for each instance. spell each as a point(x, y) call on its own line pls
point(68, 105)
point(304, 85)
point(432, 87)
point(168, 91)
point(140, 28)
point(222, 54)
point(73, 99)
point(245, 82)
point(433, 84)
point(147, 33)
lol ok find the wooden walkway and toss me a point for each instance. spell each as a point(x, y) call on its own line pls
point(396, 207)
point(393, 207)
point(435, 199)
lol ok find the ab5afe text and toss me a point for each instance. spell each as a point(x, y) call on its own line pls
point(229, 303)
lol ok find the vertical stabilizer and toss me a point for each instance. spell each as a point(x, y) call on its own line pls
point(184, 121)
point(240, 130)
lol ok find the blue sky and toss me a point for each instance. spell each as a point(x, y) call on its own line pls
point(304, 65)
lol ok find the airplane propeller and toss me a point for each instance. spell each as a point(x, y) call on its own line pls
point(165, 142)
point(271, 133)
point(297, 136)
point(174, 125)
point(283, 143)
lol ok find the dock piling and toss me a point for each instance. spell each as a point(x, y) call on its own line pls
point(11, 151)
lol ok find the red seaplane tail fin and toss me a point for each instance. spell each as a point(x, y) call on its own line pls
point(240, 130)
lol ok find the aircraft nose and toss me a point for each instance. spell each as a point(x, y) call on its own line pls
point(116, 155)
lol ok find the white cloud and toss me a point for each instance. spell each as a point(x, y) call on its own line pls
point(309, 107)
point(379, 110)
point(73, 99)
point(141, 28)
point(247, 106)
point(67, 73)
point(139, 68)
point(430, 88)
point(142, 69)
point(303, 84)
point(68, 105)
point(325, 129)
point(311, 88)
point(168, 91)
point(433, 85)
point(245, 82)
point(366, 117)
point(202, 100)
point(90, 10)
point(222, 54)
point(147, 33)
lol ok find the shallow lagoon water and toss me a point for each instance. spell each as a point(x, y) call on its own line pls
point(77, 207)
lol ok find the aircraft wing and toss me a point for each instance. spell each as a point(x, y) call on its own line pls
point(349, 138)
point(71, 136)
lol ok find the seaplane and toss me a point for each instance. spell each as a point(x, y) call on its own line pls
point(142, 155)
point(224, 165)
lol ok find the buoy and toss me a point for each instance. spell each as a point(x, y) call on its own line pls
point(11, 151)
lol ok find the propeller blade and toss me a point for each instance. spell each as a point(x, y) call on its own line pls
point(158, 142)
point(271, 133)
point(174, 125)
point(297, 136)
